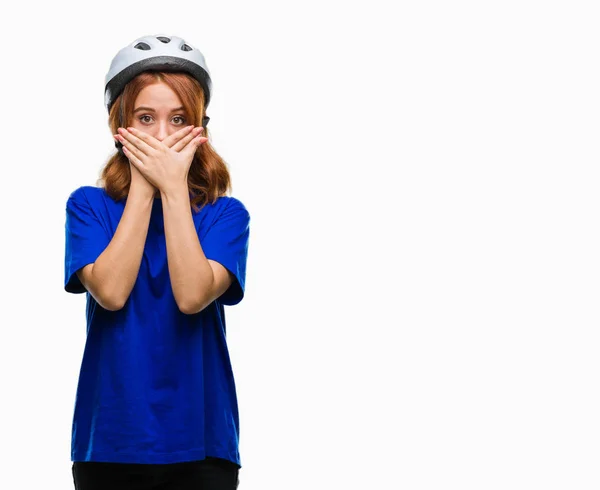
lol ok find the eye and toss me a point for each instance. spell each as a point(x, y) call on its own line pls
point(174, 118)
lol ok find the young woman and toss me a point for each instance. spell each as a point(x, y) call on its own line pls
point(159, 249)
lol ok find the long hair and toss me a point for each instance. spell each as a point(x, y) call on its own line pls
point(208, 177)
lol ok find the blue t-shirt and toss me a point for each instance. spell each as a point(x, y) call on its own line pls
point(156, 385)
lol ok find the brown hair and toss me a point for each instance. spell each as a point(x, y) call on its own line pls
point(208, 177)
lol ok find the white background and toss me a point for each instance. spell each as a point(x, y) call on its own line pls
point(421, 306)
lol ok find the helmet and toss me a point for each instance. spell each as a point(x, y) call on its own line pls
point(164, 53)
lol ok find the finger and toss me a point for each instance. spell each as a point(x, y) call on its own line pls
point(133, 159)
point(141, 140)
point(181, 144)
point(131, 147)
point(193, 145)
point(176, 136)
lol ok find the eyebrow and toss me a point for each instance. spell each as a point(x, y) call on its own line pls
point(149, 109)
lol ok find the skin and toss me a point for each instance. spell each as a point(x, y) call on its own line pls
point(160, 147)
point(163, 123)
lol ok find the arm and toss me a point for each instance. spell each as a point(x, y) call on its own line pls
point(195, 280)
point(112, 276)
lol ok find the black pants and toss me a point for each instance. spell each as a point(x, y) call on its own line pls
point(207, 474)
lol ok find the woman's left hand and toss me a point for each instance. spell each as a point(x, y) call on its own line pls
point(165, 168)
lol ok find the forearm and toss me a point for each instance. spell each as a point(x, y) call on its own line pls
point(116, 269)
point(191, 274)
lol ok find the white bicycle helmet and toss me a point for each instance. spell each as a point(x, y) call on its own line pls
point(158, 53)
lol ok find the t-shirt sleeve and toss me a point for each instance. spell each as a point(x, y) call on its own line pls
point(85, 239)
point(226, 242)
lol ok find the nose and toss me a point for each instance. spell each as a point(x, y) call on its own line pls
point(162, 131)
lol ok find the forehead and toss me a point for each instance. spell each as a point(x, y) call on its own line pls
point(158, 96)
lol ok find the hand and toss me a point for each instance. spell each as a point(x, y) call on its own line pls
point(165, 167)
point(137, 178)
point(139, 182)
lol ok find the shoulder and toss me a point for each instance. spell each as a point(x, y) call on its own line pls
point(226, 214)
point(88, 200)
point(223, 206)
point(86, 194)
point(231, 205)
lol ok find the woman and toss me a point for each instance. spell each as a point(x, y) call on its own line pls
point(159, 249)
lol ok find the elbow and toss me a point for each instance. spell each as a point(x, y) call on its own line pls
point(188, 310)
point(106, 302)
point(112, 304)
point(106, 295)
point(191, 308)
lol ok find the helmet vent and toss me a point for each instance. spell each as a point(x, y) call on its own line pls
point(185, 47)
point(142, 46)
point(163, 39)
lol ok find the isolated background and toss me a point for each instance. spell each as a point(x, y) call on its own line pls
point(421, 308)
